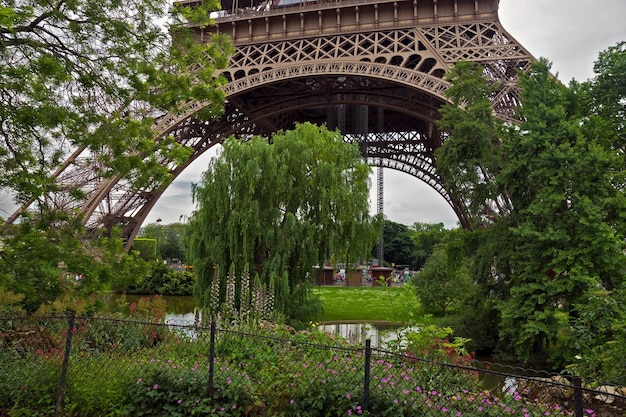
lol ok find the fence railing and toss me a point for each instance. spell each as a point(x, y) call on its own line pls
point(79, 366)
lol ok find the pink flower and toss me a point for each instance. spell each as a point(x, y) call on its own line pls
point(348, 396)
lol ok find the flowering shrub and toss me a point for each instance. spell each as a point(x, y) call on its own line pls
point(319, 386)
point(170, 389)
point(432, 342)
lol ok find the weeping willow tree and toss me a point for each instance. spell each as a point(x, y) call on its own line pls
point(281, 206)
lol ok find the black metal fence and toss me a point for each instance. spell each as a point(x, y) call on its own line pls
point(79, 366)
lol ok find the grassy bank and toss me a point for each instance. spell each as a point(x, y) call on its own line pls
point(395, 304)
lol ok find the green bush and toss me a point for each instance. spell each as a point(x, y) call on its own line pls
point(441, 284)
point(29, 383)
point(177, 283)
point(595, 343)
point(96, 384)
point(145, 247)
point(164, 281)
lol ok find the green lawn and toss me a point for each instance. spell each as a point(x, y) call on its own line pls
point(395, 304)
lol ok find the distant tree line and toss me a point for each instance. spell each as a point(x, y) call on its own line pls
point(410, 245)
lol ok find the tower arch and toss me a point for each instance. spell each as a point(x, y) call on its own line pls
point(346, 63)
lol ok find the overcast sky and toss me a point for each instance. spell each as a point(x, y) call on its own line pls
point(570, 33)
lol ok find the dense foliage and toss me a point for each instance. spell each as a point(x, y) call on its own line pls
point(46, 264)
point(89, 78)
point(161, 279)
point(545, 200)
point(280, 206)
point(93, 75)
point(398, 247)
point(410, 246)
point(426, 236)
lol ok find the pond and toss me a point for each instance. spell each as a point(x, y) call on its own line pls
point(182, 310)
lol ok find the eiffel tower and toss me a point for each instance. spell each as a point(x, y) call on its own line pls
point(372, 68)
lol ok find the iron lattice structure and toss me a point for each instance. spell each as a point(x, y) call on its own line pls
point(372, 68)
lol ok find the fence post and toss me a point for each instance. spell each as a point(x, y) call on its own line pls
point(211, 358)
point(66, 362)
point(578, 396)
point(366, 380)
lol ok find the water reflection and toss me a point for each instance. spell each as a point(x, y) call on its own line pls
point(180, 318)
point(357, 333)
point(180, 308)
